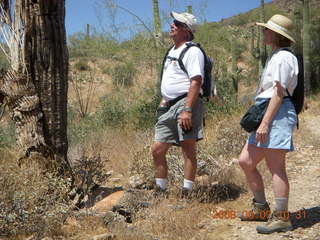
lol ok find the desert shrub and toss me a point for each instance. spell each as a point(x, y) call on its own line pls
point(78, 130)
point(98, 45)
point(214, 157)
point(230, 138)
point(7, 135)
point(123, 74)
point(82, 65)
point(4, 64)
point(89, 169)
point(113, 111)
point(30, 202)
point(106, 70)
point(143, 111)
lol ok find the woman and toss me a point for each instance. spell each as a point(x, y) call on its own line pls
point(273, 139)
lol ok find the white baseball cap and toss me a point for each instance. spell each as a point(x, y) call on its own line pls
point(185, 18)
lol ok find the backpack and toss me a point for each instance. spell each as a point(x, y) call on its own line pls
point(208, 89)
point(297, 97)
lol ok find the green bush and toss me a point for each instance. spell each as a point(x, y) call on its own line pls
point(113, 111)
point(143, 113)
point(98, 45)
point(7, 135)
point(4, 64)
point(123, 74)
point(82, 65)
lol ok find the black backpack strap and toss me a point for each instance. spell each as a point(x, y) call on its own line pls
point(163, 62)
point(183, 52)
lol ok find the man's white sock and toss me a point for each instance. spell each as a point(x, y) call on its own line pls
point(187, 184)
point(281, 204)
point(162, 182)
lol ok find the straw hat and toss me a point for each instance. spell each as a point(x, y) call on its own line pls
point(185, 18)
point(280, 24)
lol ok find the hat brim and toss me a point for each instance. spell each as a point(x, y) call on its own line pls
point(277, 31)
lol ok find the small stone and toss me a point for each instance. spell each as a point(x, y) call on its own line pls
point(109, 173)
point(105, 236)
point(115, 180)
point(135, 181)
point(109, 217)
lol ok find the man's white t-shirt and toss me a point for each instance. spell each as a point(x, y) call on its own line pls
point(175, 82)
point(282, 67)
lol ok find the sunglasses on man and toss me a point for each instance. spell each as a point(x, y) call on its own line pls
point(180, 24)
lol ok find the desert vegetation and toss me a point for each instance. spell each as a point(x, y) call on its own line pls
point(106, 128)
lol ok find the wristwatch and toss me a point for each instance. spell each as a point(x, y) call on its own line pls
point(187, 109)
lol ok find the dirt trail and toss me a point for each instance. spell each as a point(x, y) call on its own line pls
point(304, 175)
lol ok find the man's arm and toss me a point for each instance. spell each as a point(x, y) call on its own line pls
point(193, 94)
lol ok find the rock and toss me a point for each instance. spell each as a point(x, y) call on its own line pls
point(202, 168)
point(202, 180)
point(109, 173)
point(132, 201)
point(70, 224)
point(136, 181)
point(105, 236)
point(112, 217)
point(108, 202)
point(28, 238)
point(114, 180)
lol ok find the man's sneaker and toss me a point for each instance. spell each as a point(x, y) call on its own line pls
point(259, 212)
point(278, 222)
point(159, 192)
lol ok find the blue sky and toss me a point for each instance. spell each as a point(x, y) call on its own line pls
point(93, 12)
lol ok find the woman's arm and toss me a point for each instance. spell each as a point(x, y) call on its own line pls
point(273, 107)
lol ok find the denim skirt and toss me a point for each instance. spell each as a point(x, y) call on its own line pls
point(280, 134)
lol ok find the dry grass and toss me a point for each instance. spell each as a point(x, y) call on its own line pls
point(31, 201)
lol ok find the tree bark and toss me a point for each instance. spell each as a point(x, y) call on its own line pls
point(46, 58)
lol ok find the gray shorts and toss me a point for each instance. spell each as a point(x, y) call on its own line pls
point(168, 130)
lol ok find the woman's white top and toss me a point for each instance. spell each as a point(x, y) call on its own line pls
point(282, 67)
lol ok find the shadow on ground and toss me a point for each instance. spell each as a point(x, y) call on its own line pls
point(305, 218)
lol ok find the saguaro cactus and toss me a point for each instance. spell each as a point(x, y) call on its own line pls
point(263, 50)
point(157, 22)
point(36, 86)
point(234, 66)
point(189, 9)
point(297, 21)
point(88, 31)
point(306, 45)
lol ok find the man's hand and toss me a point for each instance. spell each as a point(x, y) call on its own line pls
point(185, 120)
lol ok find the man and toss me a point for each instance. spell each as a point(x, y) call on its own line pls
point(181, 121)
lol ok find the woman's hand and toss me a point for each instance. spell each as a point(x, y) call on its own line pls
point(262, 133)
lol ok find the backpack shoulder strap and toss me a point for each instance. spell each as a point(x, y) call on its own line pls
point(183, 52)
point(164, 61)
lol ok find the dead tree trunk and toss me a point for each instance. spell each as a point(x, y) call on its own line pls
point(46, 58)
point(36, 86)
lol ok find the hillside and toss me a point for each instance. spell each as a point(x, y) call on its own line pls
point(113, 95)
point(289, 4)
